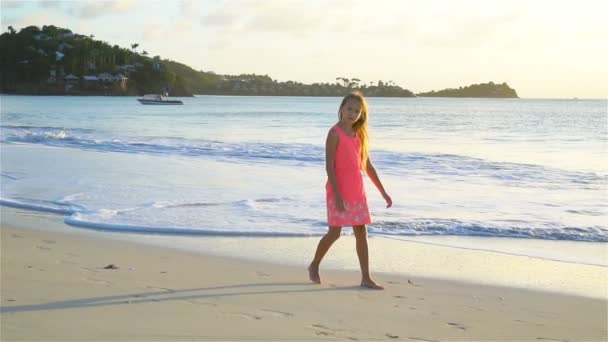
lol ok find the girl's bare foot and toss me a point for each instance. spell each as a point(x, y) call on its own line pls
point(370, 284)
point(313, 274)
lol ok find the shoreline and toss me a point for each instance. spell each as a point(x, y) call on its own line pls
point(453, 259)
point(50, 280)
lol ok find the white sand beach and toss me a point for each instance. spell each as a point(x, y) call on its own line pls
point(55, 287)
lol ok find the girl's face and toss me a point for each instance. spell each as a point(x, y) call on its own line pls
point(350, 112)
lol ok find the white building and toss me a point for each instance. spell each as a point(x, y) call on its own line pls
point(105, 77)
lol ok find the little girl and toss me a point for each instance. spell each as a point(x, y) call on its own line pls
point(346, 153)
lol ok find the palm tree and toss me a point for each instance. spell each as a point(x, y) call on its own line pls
point(134, 46)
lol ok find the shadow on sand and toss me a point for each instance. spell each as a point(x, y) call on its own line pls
point(176, 295)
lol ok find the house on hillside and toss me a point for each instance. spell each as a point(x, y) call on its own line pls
point(89, 82)
point(71, 81)
point(121, 80)
point(105, 77)
point(70, 77)
point(127, 68)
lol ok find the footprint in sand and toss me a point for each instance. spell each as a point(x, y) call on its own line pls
point(391, 335)
point(550, 339)
point(244, 315)
point(160, 288)
point(262, 274)
point(17, 236)
point(278, 313)
point(400, 297)
point(322, 330)
point(319, 326)
point(457, 325)
point(413, 284)
point(48, 241)
point(421, 339)
point(43, 248)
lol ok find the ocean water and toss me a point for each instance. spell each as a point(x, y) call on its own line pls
point(254, 166)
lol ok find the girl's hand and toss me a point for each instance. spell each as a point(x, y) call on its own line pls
point(340, 204)
point(388, 199)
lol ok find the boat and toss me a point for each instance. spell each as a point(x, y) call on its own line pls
point(157, 99)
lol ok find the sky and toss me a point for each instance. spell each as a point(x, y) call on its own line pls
point(541, 48)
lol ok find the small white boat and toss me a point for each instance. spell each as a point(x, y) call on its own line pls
point(157, 99)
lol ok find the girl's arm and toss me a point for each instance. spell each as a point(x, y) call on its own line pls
point(331, 145)
point(373, 175)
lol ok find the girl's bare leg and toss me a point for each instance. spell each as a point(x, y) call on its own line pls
point(326, 241)
point(362, 253)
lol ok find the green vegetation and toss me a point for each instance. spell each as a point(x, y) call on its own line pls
point(476, 90)
point(201, 82)
point(54, 60)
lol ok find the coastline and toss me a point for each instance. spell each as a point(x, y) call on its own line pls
point(84, 93)
point(52, 279)
point(195, 95)
point(575, 268)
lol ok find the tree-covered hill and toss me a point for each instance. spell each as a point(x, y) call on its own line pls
point(489, 89)
point(54, 60)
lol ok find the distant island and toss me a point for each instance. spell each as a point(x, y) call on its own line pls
point(55, 61)
point(489, 89)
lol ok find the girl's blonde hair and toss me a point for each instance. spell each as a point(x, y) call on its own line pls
point(360, 126)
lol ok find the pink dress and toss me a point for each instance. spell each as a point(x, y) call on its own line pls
point(350, 184)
